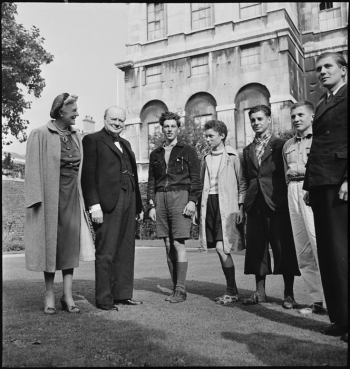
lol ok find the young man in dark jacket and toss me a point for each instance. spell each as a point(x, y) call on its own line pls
point(174, 187)
point(266, 205)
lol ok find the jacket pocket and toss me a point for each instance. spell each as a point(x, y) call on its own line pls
point(341, 155)
point(181, 165)
point(290, 155)
point(157, 168)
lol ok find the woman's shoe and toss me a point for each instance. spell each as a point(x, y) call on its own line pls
point(49, 310)
point(70, 309)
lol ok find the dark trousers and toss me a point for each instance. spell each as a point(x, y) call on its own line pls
point(266, 226)
point(331, 225)
point(115, 251)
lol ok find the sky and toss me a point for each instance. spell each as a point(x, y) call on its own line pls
point(86, 39)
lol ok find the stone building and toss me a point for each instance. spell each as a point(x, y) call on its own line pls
point(217, 60)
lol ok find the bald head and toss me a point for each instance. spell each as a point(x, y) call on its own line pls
point(114, 120)
point(113, 108)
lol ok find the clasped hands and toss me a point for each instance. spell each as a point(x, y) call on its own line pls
point(343, 193)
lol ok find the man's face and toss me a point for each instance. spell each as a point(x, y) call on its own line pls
point(114, 121)
point(260, 122)
point(69, 114)
point(329, 73)
point(302, 118)
point(170, 129)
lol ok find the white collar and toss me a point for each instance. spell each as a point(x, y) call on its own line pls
point(335, 91)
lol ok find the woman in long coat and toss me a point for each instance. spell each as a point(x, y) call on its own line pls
point(221, 208)
point(57, 232)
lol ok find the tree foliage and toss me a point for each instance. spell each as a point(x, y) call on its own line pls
point(22, 56)
point(7, 163)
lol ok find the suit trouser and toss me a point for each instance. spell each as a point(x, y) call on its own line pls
point(331, 224)
point(115, 250)
point(266, 226)
point(303, 226)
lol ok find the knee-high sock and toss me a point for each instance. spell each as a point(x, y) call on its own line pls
point(260, 284)
point(288, 285)
point(172, 270)
point(231, 287)
point(181, 269)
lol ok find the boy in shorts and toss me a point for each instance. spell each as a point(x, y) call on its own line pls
point(173, 190)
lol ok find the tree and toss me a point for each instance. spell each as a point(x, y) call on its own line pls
point(7, 163)
point(22, 56)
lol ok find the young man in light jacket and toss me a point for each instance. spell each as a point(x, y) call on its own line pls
point(221, 209)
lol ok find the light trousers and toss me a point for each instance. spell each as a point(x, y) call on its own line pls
point(303, 227)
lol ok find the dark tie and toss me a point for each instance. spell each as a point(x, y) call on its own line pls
point(329, 98)
point(116, 139)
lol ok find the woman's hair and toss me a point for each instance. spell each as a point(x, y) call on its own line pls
point(305, 103)
point(60, 101)
point(217, 126)
point(168, 115)
point(338, 58)
point(264, 108)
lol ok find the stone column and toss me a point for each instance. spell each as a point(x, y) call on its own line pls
point(280, 111)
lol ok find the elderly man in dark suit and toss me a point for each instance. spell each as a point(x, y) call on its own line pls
point(327, 185)
point(266, 205)
point(111, 192)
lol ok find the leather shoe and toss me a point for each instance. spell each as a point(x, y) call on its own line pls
point(344, 337)
point(289, 303)
point(106, 307)
point(127, 302)
point(334, 330)
point(254, 299)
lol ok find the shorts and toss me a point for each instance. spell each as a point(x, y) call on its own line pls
point(170, 222)
point(213, 226)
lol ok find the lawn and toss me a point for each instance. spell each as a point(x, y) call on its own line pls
point(194, 333)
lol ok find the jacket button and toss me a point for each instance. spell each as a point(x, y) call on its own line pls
point(260, 175)
point(326, 133)
point(326, 151)
point(70, 156)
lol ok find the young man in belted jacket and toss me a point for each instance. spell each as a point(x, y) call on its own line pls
point(266, 205)
point(174, 187)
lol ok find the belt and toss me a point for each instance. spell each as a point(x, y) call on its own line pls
point(173, 188)
point(296, 179)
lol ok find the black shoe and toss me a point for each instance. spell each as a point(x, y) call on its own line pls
point(344, 337)
point(106, 307)
point(334, 330)
point(317, 308)
point(127, 302)
point(289, 303)
point(254, 299)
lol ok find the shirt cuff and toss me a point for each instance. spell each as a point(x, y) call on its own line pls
point(94, 208)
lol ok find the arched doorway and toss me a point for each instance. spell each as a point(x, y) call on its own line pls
point(247, 97)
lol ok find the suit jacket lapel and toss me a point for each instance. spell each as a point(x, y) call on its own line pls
point(252, 155)
point(268, 149)
point(107, 139)
point(322, 107)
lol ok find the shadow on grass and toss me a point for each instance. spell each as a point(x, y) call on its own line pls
point(210, 291)
point(94, 338)
point(287, 351)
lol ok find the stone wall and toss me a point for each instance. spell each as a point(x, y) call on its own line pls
point(13, 208)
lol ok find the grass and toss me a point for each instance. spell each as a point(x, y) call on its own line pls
point(194, 333)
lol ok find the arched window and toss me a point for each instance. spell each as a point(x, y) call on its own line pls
point(201, 107)
point(150, 115)
point(247, 97)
